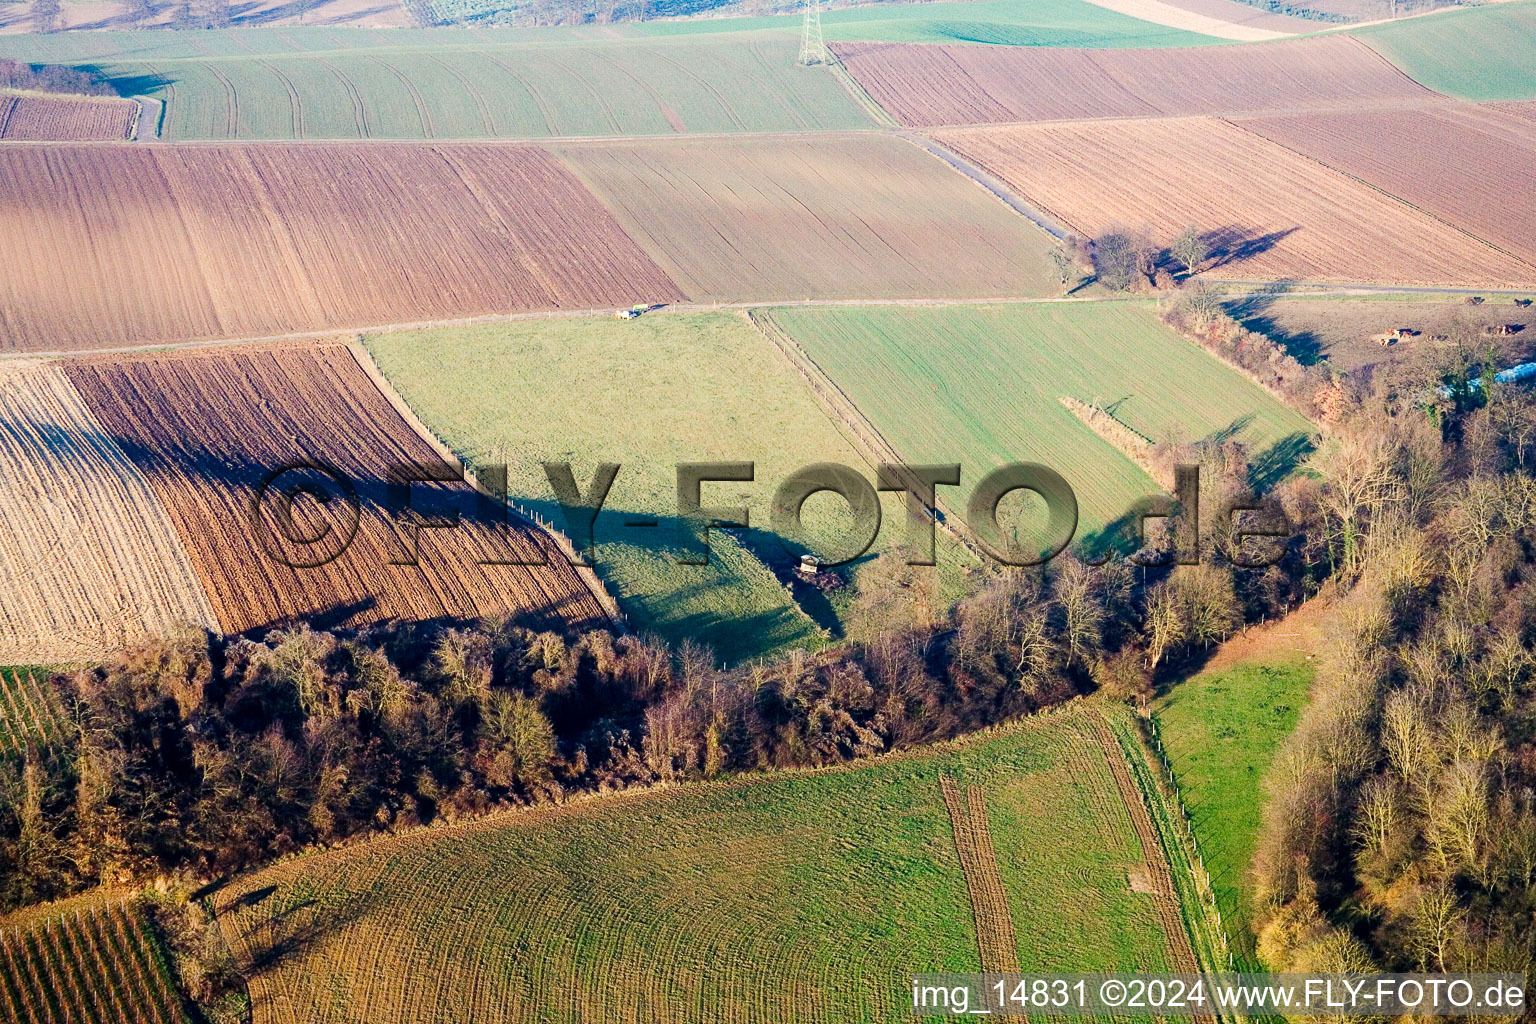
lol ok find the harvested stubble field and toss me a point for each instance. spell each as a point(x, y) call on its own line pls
point(97, 964)
point(648, 394)
point(798, 897)
point(114, 246)
point(89, 558)
point(853, 217)
point(48, 118)
point(980, 385)
point(1267, 213)
point(952, 85)
point(207, 428)
point(1484, 53)
point(418, 91)
point(1474, 167)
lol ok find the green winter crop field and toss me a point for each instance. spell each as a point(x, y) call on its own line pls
point(1485, 53)
point(798, 897)
point(978, 385)
point(703, 75)
point(476, 90)
point(1010, 22)
point(647, 394)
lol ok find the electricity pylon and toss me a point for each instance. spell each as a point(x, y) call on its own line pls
point(813, 50)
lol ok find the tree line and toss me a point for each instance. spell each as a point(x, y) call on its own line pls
point(52, 78)
point(1400, 825)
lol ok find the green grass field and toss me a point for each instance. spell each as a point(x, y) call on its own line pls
point(646, 394)
point(405, 92)
point(1485, 53)
point(978, 385)
point(1221, 731)
point(798, 897)
point(1010, 22)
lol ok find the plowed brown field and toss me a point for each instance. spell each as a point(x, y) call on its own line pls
point(112, 246)
point(1525, 112)
point(852, 217)
point(207, 428)
point(49, 118)
point(923, 84)
point(88, 556)
point(1473, 167)
point(1266, 212)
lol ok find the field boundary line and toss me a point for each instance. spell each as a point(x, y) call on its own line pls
point(1127, 746)
point(990, 183)
point(853, 424)
point(1384, 192)
point(860, 95)
point(1286, 289)
point(1125, 439)
point(585, 573)
point(1155, 855)
point(996, 941)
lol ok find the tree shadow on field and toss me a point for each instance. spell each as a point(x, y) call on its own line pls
point(1235, 243)
point(1255, 312)
point(294, 922)
point(1278, 461)
point(1222, 435)
point(662, 539)
point(213, 487)
point(149, 84)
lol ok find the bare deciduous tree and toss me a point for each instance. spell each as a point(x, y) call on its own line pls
point(1191, 250)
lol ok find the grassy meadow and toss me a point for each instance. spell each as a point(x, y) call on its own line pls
point(647, 394)
point(980, 385)
point(1483, 53)
point(806, 896)
point(1221, 730)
